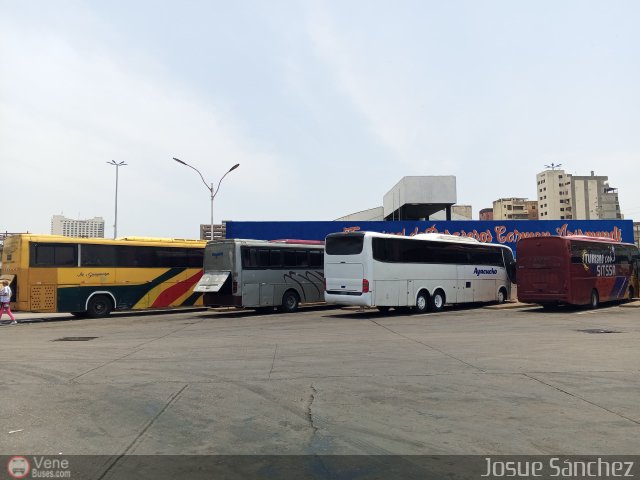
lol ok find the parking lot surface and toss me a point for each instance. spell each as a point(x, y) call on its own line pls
point(324, 381)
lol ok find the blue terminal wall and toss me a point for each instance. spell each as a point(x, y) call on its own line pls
point(506, 232)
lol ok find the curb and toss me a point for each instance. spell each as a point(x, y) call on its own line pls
point(633, 304)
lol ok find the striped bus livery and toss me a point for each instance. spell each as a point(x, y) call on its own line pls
point(94, 276)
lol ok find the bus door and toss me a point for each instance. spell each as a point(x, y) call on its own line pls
point(464, 284)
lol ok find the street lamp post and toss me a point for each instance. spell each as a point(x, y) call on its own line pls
point(212, 191)
point(115, 223)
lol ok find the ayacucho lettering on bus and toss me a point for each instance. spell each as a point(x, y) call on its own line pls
point(484, 271)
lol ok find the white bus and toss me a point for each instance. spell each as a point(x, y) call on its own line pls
point(262, 274)
point(418, 273)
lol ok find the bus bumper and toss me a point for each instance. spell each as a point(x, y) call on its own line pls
point(360, 299)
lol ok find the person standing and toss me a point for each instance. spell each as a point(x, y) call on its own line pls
point(5, 298)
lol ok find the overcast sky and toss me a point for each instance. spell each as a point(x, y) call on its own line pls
point(325, 105)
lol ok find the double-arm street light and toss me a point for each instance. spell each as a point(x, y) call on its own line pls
point(212, 191)
point(115, 223)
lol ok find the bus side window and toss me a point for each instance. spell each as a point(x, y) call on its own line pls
point(302, 258)
point(289, 258)
point(97, 255)
point(54, 255)
point(275, 258)
point(315, 259)
point(263, 258)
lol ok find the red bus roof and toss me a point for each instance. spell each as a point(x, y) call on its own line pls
point(302, 242)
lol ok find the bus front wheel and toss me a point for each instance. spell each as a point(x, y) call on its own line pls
point(290, 302)
point(99, 306)
point(595, 299)
point(422, 302)
point(437, 301)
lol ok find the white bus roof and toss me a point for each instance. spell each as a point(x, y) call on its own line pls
point(441, 237)
point(435, 237)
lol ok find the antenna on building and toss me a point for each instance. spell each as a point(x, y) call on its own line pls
point(553, 166)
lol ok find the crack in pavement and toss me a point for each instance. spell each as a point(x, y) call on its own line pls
point(310, 400)
point(273, 362)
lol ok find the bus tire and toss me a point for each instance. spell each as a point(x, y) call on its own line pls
point(502, 295)
point(422, 302)
point(99, 306)
point(594, 301)
point(290, 302)
point(437, 301)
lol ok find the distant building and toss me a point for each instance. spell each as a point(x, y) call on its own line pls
point(486, 214)
point(593, 198)
point(219, 231)
point(562, 196)
point(68, 227)
point(462, 211)
point(515, 209)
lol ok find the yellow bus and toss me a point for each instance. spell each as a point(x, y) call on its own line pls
point(94, 276)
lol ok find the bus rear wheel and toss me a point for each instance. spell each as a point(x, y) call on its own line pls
point(595, 299)
point(290, 302)
point(437, 301)
point(502, 295)
point(99, 306)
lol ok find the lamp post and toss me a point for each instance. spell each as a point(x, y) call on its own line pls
point(212, 191)
point(115, 223)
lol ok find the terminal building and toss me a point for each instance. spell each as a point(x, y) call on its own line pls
point(417, 198)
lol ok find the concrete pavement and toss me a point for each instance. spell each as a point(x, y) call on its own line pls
point(324, 381)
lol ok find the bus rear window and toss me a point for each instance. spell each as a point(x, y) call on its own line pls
point(347, 245)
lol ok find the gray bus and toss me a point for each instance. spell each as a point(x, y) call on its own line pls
point(262, 274)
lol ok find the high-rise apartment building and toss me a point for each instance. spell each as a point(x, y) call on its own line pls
point(593, 198)
point(562, 196)
point(554, 195)
point(68, 227)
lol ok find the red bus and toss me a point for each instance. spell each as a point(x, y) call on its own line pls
point(576, 270)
